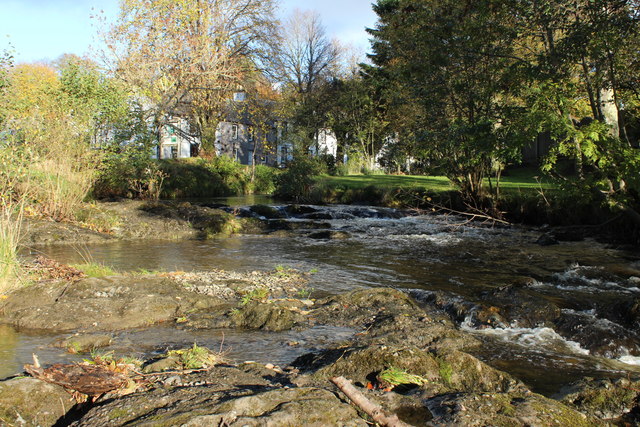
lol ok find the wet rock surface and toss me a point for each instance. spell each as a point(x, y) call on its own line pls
point(503, 409)
point(83, 343)
point(100, 304)
point(130, 219)
point(393, 330)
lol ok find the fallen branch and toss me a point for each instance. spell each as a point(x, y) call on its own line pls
point(374, 411)
point(472, 214)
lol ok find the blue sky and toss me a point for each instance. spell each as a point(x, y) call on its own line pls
point(45, 29)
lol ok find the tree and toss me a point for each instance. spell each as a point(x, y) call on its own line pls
point(6, 63)
point(453, 62)
point(584, 78)
point(305, 63)
point(101, 102)
point(357, 119)
point(261, 108)
point(476, 80)
point(187, 56)
point(306, 56)
point(47, 162)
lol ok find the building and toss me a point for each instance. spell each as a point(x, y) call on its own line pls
point(177, 141)
point(238, 136)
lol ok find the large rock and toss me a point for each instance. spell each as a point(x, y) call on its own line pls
point(503, 409)
point(606, 399)
point(101, 304)
point(83, 343)
point(31, 402)
point(266, 211)
point(245, 396)
point(514, 304)
point(452, 371)
point(391, 317)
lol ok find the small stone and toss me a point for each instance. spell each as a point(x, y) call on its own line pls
point(269, 366)
point(175, 380)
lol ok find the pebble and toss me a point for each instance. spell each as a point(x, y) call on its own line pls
point(175, 380)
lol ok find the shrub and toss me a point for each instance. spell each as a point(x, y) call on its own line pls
point(129, 172)
point(296, 181)
point(329, 163)
point(198, 177)
point(264, 181)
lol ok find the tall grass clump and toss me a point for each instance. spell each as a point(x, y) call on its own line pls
point(10, 227)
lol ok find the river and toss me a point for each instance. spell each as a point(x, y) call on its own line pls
point(438, 258)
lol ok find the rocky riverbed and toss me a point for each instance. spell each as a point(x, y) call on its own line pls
point(391, 330)
point(435, 335)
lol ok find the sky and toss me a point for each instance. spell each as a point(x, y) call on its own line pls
point(42, 30)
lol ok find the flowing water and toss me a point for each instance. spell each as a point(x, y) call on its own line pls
point(434, 257)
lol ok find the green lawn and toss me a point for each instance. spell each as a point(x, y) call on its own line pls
point(436, 183)
point(514, 180)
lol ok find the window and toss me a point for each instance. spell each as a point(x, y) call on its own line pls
point(250, 132)
point(234, 131)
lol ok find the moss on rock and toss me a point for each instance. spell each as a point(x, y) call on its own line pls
point(27, 401)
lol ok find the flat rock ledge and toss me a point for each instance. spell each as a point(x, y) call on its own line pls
point(131, 301)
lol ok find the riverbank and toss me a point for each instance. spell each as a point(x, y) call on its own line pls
point(446, 384)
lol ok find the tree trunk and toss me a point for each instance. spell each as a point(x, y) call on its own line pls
point(610, 110)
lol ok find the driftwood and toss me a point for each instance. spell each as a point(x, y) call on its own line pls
point(374, 411)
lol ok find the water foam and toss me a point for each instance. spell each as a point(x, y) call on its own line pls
point(630, 360)
point(540, 338)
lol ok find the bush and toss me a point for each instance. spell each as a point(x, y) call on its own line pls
point(132, 173)
point(217, 177)
point(329, 163)
point(296, 182)
point(264, 181)
point(129, 172)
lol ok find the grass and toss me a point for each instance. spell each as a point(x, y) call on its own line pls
point(527, 179)
point(355, 182)
point(395, 376)
point(257, 294)
point(196, 357)
point(10, 229)
point(95, 269)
